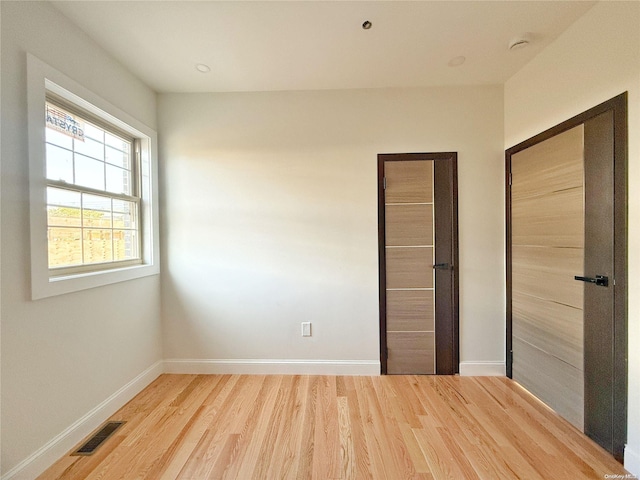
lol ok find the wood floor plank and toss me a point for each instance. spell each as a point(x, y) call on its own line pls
point(219, 404)
point(481, 432)
point(192, 434)
point(481, 446)
point(347, 454)
point(555, 434)
point(268, 461)
point(404, 467)
point(413, 447)
point(559, 428)
point(257, 427)
point(241, 421)
point(326, 442)
point(361, 451)
point(147, 447)
point(290, 431)
point(373, 441)
point(176, 454)
point(229, 413)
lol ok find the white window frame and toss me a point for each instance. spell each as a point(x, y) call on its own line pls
point(133, 195)
point(41, 79)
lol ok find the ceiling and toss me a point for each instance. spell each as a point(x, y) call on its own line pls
point(311, 45)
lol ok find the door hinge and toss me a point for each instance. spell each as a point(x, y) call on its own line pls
point(384, 183)
point(510, 179)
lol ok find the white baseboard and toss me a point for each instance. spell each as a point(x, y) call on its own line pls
point(43, 458)
point(482, 369)
point(273, 367)
point(632, 460)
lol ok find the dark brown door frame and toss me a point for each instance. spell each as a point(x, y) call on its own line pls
point(618, 106)
point(447, 336)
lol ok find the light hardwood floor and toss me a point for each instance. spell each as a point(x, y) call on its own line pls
point(325, 427)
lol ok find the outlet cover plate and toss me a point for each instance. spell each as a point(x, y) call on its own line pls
point(306, 329)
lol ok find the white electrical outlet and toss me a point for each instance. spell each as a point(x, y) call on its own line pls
point(306, 329)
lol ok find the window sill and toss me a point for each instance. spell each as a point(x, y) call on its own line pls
point(60, 285)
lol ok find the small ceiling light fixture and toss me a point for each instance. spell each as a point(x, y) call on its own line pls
point(519, 43)
point(367, 25)
point(457, 61)
point(202, 68)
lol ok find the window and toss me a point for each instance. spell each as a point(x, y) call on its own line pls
point(93, 188)
point(92, 193)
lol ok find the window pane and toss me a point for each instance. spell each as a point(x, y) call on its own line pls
point(116, 142)
point(125, 244)
point(117, 157)
point(59, 164)
point(96, 218)
point(63, 198)
point(89, 173)
point(63, 216)
point(123, 206)
point(58, 138)
point(65, 247)
point(96, 211)
point(96, 202)
point(97, 246)
point(123, 220)
point(93, 132)
point(90, 148)
point(118, 180)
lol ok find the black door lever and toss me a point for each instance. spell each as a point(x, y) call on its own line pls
point(441, 266)
point(600, 280)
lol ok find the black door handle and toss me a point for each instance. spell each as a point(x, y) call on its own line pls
point(600, 280)
point(441, 266)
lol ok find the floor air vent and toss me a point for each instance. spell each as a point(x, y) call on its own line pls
point(91, 445)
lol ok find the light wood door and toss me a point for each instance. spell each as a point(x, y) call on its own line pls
point(409, 253)
point(566, 270)
point(418, 327)
point(547, 232)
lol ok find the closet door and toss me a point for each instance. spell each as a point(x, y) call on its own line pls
point(418, 257)
point(566, 270)
point(547, 225)
point(409, 250)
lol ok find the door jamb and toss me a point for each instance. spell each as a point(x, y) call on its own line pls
point(451, 157)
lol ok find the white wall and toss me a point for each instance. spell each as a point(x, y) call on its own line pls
point(270, 219)
point(595, 59)
point(61, 356)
